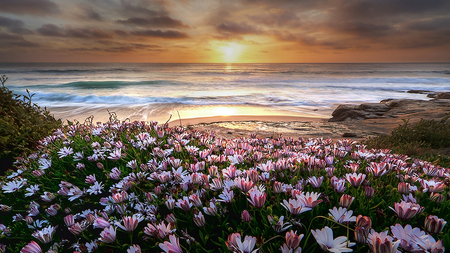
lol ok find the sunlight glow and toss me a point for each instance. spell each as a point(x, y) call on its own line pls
point(224, 111)
point(231, 52)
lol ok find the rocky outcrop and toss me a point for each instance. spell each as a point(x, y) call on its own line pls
point(392, 108)
point(359, 112)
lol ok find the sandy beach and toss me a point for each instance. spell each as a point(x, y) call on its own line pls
point(315, 127)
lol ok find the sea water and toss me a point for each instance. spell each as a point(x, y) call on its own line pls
point(154, 91)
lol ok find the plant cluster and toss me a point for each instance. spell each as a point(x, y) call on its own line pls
point(137, 187)
point(22, 124)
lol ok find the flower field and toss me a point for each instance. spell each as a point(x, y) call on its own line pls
point(144, 187)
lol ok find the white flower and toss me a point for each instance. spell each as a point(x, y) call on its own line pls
point(341, 215)
point(45, 235)
point(96, 188)
point(14, 186)
point(44, 163)
point(324, 238)
point(65, 152)
point(32, 190)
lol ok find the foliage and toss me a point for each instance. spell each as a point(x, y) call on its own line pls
point(22, 123)
point(152, 184)
point(426, 139)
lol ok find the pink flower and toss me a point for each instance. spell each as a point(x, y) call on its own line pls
point(101, 223)
point(184, 204)
point(31, 247)
point(295, 206)
point(346, 200)
point(407, 210)
point(244, 184)
point(199, 219)
point(235, 244)
point(173, 246)
point(355, 179)
point(130, 223)
point(45, 235)
point(381, 242)
point(245, 216)
point(292, 242)
point(310, 199)
point(434, 225)
point(315, 182)
point(257, 198)
point(108, 235)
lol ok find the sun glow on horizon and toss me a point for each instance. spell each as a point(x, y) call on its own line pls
point(231, 52)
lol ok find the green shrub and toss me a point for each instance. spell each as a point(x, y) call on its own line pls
point(22, 124)
point(427, 139)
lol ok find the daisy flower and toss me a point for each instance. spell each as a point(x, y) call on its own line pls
point(324, 238)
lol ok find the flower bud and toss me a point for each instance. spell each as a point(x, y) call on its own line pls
point(403, 188)
point(437, 197)
point(245, 216)
point(369, 191)
point(361, 235)
point(363, 221)
point(434, 225)
point(346, 200)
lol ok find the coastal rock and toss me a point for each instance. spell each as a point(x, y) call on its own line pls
point(359, 112)
point(443, 95)
point(418, 91)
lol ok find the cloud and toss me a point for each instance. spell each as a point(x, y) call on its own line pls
point(31, 7)
point(120, 48)
point(69, 32)
point(160, 21)
point(14, 25)
point(129, 8)
point(15, 40)
point(169, 34)
point(90, 13)
point(240, 29)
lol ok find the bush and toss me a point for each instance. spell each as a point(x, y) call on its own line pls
point(426, 139)
point(22, 124)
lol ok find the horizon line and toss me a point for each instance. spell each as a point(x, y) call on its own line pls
point(240, 62)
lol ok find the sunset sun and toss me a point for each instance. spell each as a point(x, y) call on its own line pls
point(231, 52)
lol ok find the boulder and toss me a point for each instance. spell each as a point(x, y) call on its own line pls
point(443, 95)
point(359, 112)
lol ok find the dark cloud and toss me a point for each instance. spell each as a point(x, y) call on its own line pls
point(160, 21)
point(31, 7)
point(120, 48)
point(364, 30)
point(240, 29)
point(169, 34)
point(431, 24)
point(277, 17)
point(91, 14)
point(69, 32)
point(15, 40)
point(14, 25)
point(133, 10)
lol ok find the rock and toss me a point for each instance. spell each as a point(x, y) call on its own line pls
point(418, 91)
point(443, 95)
point(432, 95)
point(343, 108)
point(349, 135)
point(374, 107)
point(359, 112)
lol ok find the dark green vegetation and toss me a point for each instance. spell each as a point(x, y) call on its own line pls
point(427, 139)
point(22, 124)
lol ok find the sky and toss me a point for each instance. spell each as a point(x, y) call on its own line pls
point(232, 31)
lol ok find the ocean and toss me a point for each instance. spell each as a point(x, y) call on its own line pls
point(141, 91)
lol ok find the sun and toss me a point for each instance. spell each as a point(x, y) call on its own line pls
point(231, 52)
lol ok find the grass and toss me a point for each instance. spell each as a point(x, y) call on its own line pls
point(427, 140)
